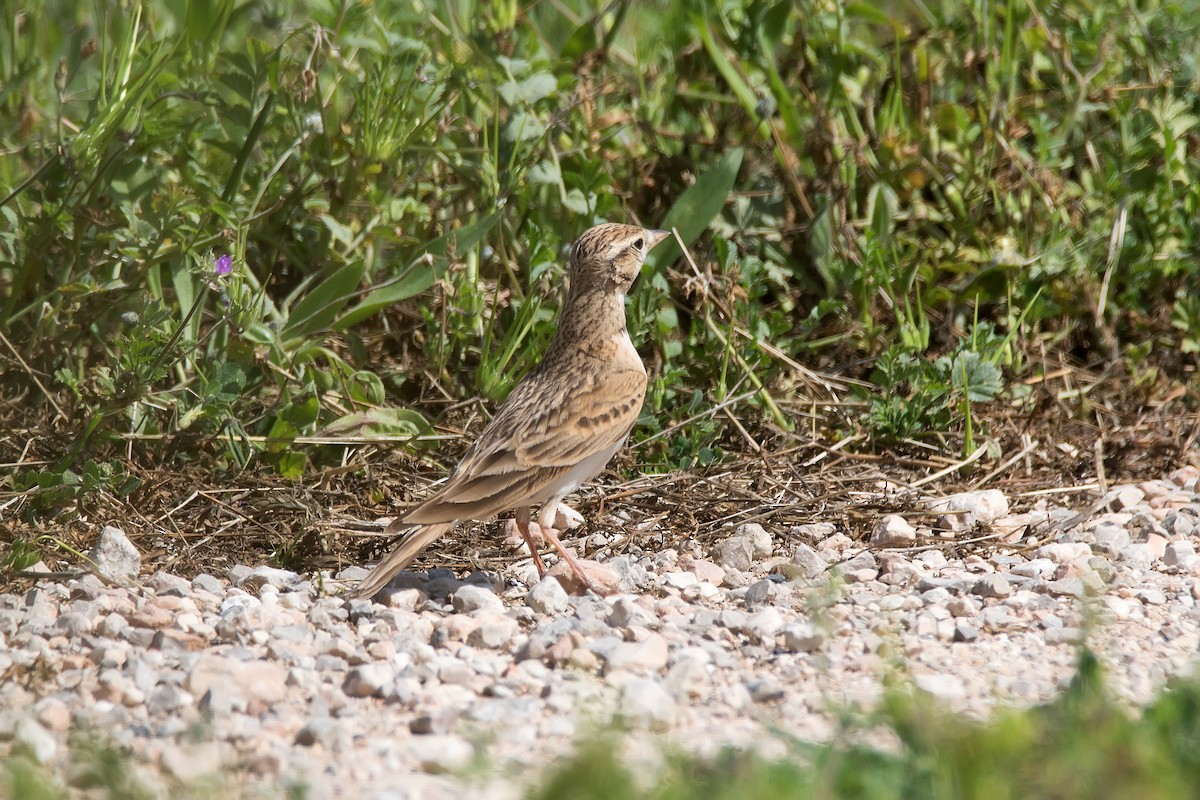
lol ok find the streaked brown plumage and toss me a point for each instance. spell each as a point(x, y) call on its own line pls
point(561, 424)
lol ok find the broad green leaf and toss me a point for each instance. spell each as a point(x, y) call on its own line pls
point(536, 87)
point(321, 306)
point(379, 422)
point(422, 273)
point(698, 206)
point(881, 210)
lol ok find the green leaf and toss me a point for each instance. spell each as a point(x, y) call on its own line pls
point(321, 306)
point(379, 422)
point(536, 87)
point(882, 204)
point(979, 380)
point(428, 264)
point(698, 206)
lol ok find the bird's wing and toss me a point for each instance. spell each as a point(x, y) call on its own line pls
point(538, 436)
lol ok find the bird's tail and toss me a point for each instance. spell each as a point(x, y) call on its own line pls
point(417, 539)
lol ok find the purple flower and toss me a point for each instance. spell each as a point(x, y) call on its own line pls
point(224, 265)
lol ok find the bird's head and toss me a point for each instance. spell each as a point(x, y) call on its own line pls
point(609, 257)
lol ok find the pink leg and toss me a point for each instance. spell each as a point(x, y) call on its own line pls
point(546, 523)
point(523, 528)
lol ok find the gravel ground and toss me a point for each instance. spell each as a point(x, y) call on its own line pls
point(261, 678)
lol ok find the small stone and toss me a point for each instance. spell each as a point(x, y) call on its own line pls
point(1185, 477)
point(470, 598)
point(1065, 552)
point(805, 563)
point(992, 586)
point(1063, 635)
point(734, 552)
point(35, 739)
point(964, 632)
point(705, 571)
point(1067, 587)
point(1122, 498)
point(604, 579)
point(115, 558)
point(941, 686)
point(1152, 597)
point(764, 624)
point(645, 703)
point(54, 714)
point(167, 698)
point(208, 583)
point(680, 580)
point(189, 763)
point(1138, 554)
point(437, 720)
point(548, 596)
point(648, 655)
point(320, 730)
point(268, 576)
point(893, 530)
point(1178, 553)
point(73, 624)
point(803, 638)
point(494, 632)
point(761, 543)
point(965, 510)
point(765, 690)
point(627, 612)
point(369, 680)
point(759, 592)
point(441, 753)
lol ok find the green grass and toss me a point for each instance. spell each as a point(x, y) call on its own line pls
point(396, 185)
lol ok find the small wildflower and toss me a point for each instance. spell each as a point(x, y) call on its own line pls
point(224, 265)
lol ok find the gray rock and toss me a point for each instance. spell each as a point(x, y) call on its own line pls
point(208, 583)
point(805, 563)
point(319, 730)
point(627, 612)
point(645, 703)
point(1179, 553)
point(73, 624)
point(268, 576)
point(115, 558)
point(493, 633)
point(765, 690)
point(548, 596)
point(759, 592)
point(764, 624)
point(965, 632)
point(993, 585)
point(470, 598)
point(803, 638)
point(189, 763)
point(36, 740)
point(441, 753)
point(941, 686)
point(734, 552)
point(761, 543)
point(965, 510)
point(893, 530)
point(648, 655)
point(1063, 635)
point(369, 680)
point(167, 698)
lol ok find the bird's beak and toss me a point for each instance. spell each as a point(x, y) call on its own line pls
point(654, 237)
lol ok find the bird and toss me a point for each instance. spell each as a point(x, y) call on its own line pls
point(560, 425)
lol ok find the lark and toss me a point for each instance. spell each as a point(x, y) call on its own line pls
point(562, 423)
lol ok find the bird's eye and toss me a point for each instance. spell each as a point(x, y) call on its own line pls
point(637, 245)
